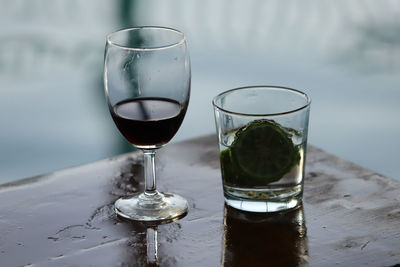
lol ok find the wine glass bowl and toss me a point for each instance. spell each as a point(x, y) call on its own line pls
point(147, 85)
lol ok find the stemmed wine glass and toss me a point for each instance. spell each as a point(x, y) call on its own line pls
point(147, 84)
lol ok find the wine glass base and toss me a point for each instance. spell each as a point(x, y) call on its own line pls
point(168, 207)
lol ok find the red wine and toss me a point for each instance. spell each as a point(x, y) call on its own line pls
point(148, 121)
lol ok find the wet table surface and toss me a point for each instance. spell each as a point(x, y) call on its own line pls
point(350, 217)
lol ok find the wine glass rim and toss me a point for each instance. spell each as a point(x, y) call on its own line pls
point(160, 47)
point(262, 87)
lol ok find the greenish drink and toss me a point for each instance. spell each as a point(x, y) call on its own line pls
point(262, 156)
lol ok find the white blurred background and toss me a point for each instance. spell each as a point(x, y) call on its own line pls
point(345, 54)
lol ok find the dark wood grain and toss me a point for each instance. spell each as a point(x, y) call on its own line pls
point(350, 216)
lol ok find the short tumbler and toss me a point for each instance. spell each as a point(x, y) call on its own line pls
point(262, 134)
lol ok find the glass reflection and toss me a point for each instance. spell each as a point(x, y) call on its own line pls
point(142, 245)
point(259, 239)
point(152, 246)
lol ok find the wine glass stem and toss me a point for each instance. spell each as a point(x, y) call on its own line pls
point(150, 173)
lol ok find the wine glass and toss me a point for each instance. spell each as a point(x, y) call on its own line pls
point(147, 84)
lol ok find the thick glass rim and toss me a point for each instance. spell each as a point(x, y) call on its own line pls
point(170, 45)
point(283, 88)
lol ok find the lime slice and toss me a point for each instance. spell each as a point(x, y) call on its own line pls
point(261, 153)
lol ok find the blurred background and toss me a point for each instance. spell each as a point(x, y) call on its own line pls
point(345, 54)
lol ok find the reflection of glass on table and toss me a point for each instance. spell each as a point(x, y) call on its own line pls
point(264, 239)
point(152, 245)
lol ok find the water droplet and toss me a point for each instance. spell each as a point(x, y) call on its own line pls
point(52, 238)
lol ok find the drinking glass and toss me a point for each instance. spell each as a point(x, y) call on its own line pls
point(147, 85)
point(262, 133)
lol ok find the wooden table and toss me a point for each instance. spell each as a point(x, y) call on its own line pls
point(350, 217)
